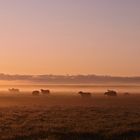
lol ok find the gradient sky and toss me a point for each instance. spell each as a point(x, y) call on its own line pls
point(70, 37)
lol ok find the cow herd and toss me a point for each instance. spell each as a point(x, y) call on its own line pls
point(42, 91)
point(35, 92)
point(110, 93)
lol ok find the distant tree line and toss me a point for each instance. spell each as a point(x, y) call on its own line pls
point(71, 79)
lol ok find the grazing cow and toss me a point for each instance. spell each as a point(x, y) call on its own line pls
point(14, 90)
point(126, 94)
point(45, 92)
point(85, 94)
point(110, 93)
point(35, 93)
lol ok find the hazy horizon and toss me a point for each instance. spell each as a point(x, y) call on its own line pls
point(6, 79)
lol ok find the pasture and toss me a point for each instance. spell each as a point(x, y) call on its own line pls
point(59, 117)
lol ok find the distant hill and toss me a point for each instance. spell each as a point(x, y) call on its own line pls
point(71, 79)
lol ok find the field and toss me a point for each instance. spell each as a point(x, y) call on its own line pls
point(27, 117)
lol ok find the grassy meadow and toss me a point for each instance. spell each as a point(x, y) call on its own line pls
point(59, 117)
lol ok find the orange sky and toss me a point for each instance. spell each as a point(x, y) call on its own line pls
point(70, 37)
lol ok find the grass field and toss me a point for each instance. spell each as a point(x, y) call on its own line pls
point(25, 117)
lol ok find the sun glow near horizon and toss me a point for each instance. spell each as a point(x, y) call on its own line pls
point(70, 37)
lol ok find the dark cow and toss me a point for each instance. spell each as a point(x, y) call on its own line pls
point(35, 93)
point(45, 92)
point(14, 90)
point(110, 93)
point(85, 94)
point(126, 94)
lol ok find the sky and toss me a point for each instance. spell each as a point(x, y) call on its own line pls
point(70, 37)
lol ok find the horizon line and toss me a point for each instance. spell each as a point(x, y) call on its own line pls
point(45, 74)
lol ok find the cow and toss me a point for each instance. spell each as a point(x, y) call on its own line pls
point(14, 90)
point(35, 93)
point(45, 92)
point(84, 94)
point(110, 93)
point(126, 94)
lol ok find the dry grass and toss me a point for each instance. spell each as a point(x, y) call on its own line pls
point(69, 118)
